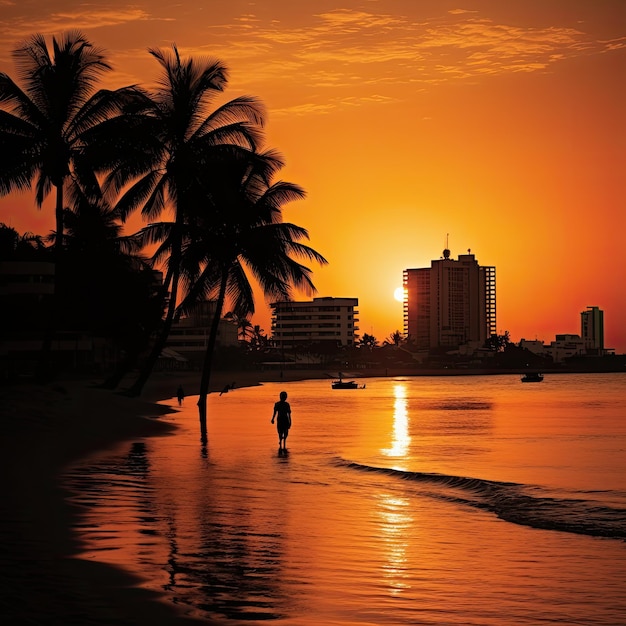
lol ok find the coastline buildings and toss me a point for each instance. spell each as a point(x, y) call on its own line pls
point(592, 330)
point(450, 304)
point(589, 343)
point(189, 336)
point(321, 320)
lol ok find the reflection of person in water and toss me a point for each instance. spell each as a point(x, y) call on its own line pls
point(181, 395)
point(282, 411)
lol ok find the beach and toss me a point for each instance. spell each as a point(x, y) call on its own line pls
point(45, 429)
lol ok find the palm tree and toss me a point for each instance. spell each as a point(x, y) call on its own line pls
point(42, 126)
point(394, 339)
point(369, 341)
point(249, 236)
point(259, 339)
point(244, 326)
point(107, 287)
point(171, 140)
point(14, 246)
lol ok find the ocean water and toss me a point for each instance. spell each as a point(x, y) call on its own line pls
point(428, 500)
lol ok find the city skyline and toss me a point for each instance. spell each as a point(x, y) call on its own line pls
point(500, 125)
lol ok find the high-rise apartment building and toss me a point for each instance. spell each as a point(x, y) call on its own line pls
point(592, 329)
point(450, 303)
point(331, 320)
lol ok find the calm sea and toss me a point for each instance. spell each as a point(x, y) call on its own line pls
point(448, 501)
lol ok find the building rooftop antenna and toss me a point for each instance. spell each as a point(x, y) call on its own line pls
point(446, 251)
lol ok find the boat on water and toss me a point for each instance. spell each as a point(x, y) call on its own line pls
point(344, 384)
point(340, 383)
point(532, 377)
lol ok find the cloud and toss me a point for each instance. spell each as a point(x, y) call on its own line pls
point(331, 105)
point(310, 56)
point(396, 48)
point(83, 17)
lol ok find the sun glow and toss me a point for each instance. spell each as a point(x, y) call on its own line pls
point(398, 294)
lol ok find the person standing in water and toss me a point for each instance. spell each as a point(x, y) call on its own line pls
point(282, 413)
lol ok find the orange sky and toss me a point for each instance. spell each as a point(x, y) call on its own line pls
point(500, 123)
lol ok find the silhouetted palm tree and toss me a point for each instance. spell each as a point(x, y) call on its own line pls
point(248, 236)
point(107, 287)
point(394, 339)
point(42, 126)
point(259, 339)
point(369, 341)
point(25, 247)
point(171, 141)
point(244, 325)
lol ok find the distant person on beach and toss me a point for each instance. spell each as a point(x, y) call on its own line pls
point(282, 411)
point(227, 388)
point(181, 395)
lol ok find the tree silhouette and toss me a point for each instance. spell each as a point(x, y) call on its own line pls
point(498, 343)
point(248, 236)
point(25, 247)
point(107, 287)
point(258, 340)
point(164, 149)
point(244, 325)
point(396, 338)
point(43, 126)
point(368, 341)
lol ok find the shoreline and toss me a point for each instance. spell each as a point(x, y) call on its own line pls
point(46, 428)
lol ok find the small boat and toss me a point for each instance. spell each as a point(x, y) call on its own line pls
point(344, 384)
point(532, 377)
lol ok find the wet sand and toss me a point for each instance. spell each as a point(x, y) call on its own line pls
point(44, 429)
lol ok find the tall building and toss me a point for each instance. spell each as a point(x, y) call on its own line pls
point(451, 303)
point(321, 320)
point(592, 329)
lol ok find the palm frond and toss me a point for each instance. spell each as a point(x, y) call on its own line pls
point(139, 193)
point(242, 110)
point(240, 291)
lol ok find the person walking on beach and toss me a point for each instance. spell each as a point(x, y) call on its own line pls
point(181, 395)
point(282, 411)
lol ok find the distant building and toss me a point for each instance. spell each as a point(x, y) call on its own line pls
point(565, 346)
point(535, 346)
point(592, 330)
point(450, 304)
point(190, 335)
point(26, 290)
point(321, 320)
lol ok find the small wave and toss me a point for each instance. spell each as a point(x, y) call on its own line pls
point(459, 404)
point(526, 505)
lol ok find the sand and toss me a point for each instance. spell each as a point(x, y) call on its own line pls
point(44, 429)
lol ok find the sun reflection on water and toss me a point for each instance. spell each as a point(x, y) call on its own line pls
point(401, 439)
point(396, 521)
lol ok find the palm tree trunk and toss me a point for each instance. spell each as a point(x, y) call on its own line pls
point(44, 368)
point(159, 344)
point(161, 340)
point(208, 358)
point(58, 242)
point(132, 356)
